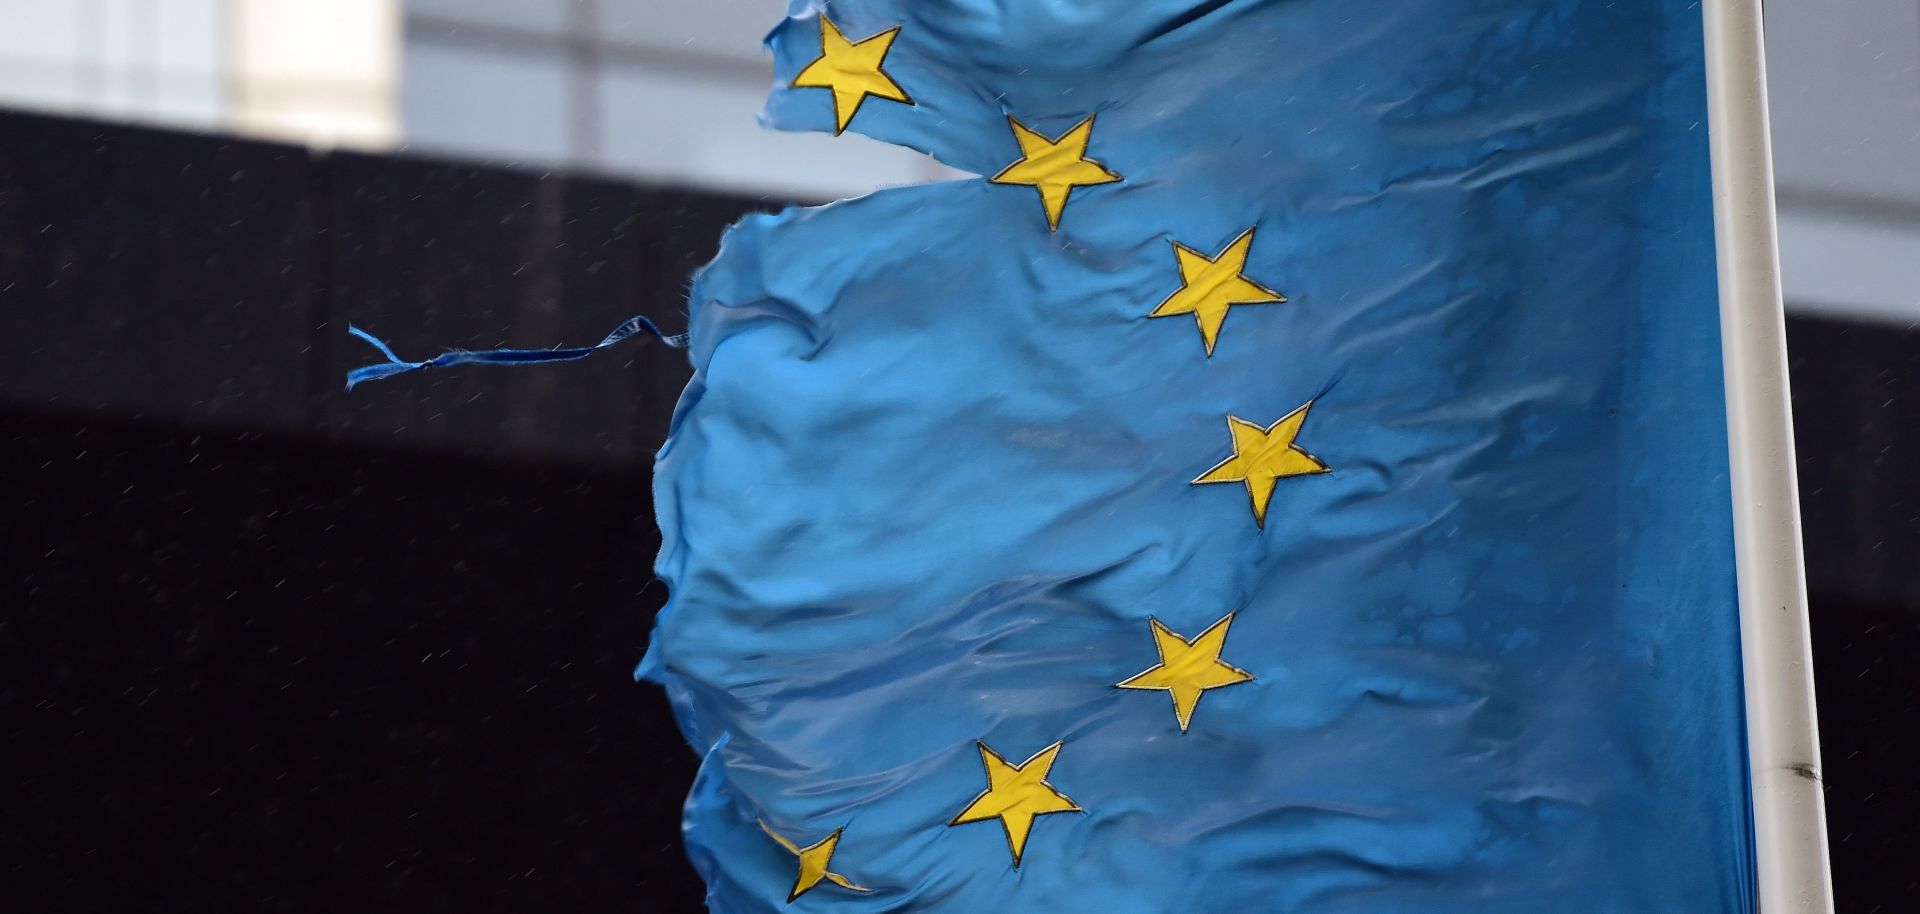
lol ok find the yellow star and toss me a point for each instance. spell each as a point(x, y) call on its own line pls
point(1054, 167)
point(1263, 455)
point(852, 70)
point(1209, 286)
point(1015, 794)
point(1189, 666)
point(813, 863)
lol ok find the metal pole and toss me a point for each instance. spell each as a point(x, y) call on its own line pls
point(1783, 740)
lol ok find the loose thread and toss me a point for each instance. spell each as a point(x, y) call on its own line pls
point(396, 365)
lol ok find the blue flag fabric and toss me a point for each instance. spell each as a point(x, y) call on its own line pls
point(1329, 515)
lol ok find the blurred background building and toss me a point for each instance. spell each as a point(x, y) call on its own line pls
point(658, 90)
point(665, 91)
point(317, 71)
point(1844, 78)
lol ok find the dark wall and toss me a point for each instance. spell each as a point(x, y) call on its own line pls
point(260, 673)
point(271, 646)
point(1856, 415)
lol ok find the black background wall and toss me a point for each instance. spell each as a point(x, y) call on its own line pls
point(272, 646)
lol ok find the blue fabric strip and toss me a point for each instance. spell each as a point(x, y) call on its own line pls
point(397, 365)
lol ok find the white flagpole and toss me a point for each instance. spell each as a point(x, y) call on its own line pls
point(1783, 739)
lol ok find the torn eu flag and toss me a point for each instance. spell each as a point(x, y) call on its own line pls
point(1289, 477)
